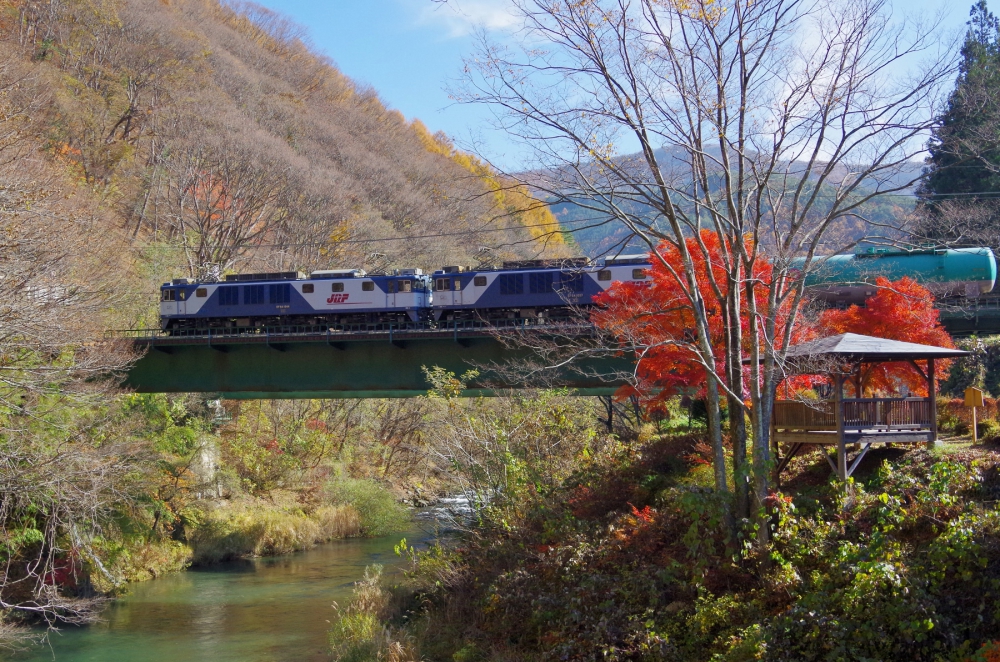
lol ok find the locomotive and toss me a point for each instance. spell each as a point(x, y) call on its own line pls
point(539, 289)
point(542, 290)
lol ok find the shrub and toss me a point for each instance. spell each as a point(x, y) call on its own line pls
point(635, 564)
point(951, 417)
point(988, 431)
point(981, 369)
point(380, 513)
point(135, 561)
point(990, 652)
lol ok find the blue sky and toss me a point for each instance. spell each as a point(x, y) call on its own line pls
point(408, 50)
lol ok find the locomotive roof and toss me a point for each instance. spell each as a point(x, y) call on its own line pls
point(273, 275)
point(566, 263)
point(338, 273)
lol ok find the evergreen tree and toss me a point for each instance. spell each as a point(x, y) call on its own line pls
point(961, 192)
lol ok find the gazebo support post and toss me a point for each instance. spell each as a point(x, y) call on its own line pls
point(838, 393)
point(932, 394)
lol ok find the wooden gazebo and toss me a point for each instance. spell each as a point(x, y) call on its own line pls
point(856, 421)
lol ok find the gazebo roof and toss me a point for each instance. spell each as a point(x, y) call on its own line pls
point(869, 349)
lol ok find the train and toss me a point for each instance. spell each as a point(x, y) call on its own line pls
point(536, 289)
point(842, 280)
point(540, 290)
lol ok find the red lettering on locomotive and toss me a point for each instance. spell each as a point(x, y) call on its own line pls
point(338, 298)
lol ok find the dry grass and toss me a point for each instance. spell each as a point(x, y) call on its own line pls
point(359, 635)
point(258, 531)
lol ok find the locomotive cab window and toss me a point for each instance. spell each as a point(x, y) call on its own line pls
point(392, 287)
point(638, 274)
point(367, 286)
point(308, 288)
point(456, 284)
point(405, 285)
point(337, 287)
point(201, 292)
point(182, 294)
point(441, 284)
point(169, 295)
point(604, 274)
point(479, 281)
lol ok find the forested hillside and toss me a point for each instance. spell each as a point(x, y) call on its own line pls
point(213, 130)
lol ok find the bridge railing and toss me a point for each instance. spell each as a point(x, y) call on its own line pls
point(967, 305)
point(443, 327)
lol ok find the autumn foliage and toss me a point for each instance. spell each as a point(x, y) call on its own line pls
point(901, 310)
point(658, 314)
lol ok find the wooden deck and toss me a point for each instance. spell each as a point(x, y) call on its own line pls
point(862, 422)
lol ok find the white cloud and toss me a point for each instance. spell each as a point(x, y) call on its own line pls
point(461, 17)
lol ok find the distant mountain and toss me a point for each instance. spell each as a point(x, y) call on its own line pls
point(596, 234)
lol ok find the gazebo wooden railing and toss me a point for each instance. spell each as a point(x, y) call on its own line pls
point(859, 414)
point(862, 421)
point(855, 421)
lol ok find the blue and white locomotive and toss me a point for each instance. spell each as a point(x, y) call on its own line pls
point(334, 297)
point(539, 289)
point(529, 289)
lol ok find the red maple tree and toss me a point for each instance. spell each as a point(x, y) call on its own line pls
point(658, 316)
point(900, 310)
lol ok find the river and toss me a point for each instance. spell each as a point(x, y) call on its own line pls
point(262, 610)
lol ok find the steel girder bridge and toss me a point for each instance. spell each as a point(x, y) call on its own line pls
point(385, 361)
point(361, 362)
point(967, 316)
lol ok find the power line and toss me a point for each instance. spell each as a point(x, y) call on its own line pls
point(561, 225)
point(559, 228)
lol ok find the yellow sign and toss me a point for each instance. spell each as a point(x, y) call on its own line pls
point(973, 397)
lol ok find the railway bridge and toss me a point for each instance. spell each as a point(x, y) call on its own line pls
point(387, 361)
point(365, 362)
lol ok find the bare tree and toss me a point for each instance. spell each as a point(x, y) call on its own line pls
point(223, 202)
point(66, 462)
point(774, 124)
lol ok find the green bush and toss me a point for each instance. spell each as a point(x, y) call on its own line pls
point(379, 511)
point(988, 431)
point(948, 418)
point(135, 561)
point(981, 368)
point(905, 566)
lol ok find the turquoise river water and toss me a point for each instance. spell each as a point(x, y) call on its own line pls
point(264, 610)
